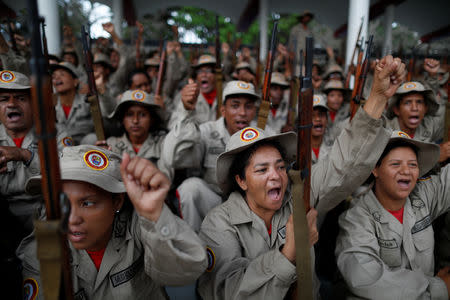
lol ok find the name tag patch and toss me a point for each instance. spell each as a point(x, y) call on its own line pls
point(127, 274)
point(390, 244)
point(421, 225)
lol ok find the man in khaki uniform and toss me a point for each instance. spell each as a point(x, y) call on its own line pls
point(198, 195)
point(321, 143)
point(18, 146)
point(202, 91)
point(246, 261)
point(148, 247)
point(384, 257)
point(279, 102)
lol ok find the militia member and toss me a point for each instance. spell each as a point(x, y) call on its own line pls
point(320, 142)
point(18, 147)
point(124, 241)
point(246, 234)
point(279, 102)
point(386, 242)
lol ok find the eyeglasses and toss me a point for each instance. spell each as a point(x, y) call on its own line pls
point(205, 71)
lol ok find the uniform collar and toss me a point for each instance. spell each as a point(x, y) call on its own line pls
point(30, 137)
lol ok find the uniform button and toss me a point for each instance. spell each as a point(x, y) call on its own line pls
point(165, 231)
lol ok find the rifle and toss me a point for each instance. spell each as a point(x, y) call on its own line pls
point(44, 40)
point(52, 247)
point(138, 50)
point(258, 67)
point(300, 175)
point(265, 104)
point(13, 39)
point(161, 71)
point(359, 85)
point(351, 67)
point(92, 97)
point(219, 76)
point(411, 64)
point(294, 88)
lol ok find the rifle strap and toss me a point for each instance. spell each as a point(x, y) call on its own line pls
point(96, 117)
point(301, 234)
point(262, 114)
point(219, 80)
point(49, 253)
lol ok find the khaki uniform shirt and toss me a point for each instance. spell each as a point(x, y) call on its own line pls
point(140, 258)
point(431, 129)
point(151, 149)
point(12, 183)
point(279, 120)
point(380, 258)
point(334, 128)
point(325, 148)
point(79, 123)
point(246, 260)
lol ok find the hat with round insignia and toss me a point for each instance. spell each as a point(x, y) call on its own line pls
point(86, 163)
point(64, 65)
point(238, 87)
point(413, 87)
point(152, 62)
point(11, 80)
point(136, 97)
point(319, 101)
point(336, 85)
point(241, 141)
point(279, 79)
point(205, 60)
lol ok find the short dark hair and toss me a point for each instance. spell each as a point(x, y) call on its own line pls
point(134, 72)
point(413, 92)
point(396, 144)
point(241, 161)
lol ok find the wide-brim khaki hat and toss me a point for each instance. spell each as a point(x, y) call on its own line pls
point(11, 80)
point(86, 163)
point(333, 69)
point(428, 153)
point(336, 85)
point(137, 97)
point(238, 87)
point(320, 100)
point(204, 60)
point(241, 141)
point(245, 65)
point(103, 59)
point(279, 79)
point(410, 87)
point(64, 65)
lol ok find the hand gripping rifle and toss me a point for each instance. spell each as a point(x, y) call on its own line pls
point(218, 70)
point(52, 247)
point(351, 66)
point(265, 104)
point(359, 85)
point(300, 176)
point(92, 97)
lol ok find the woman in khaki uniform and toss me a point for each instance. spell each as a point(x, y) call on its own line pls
point(250, 237)
point(119, 251)
point(142, 124)
point(385, 246)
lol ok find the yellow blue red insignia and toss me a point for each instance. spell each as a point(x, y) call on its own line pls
point(403, 134)
point(243, 85)
point(425, 178)
point(409, 86)
point(211, 259)
point(30, 289)
point(67, 141)
point(249, 134)
point(7, 76)
point(96, 160)
point(138, 95)
point(316, 99)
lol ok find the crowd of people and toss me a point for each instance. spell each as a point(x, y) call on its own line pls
point(184, 190)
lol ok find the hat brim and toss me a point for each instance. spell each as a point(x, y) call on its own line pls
point(224, 161)
point(104, 63)
point(153, 107)
point(55, 67)
point(14, 86)
point(101, 180)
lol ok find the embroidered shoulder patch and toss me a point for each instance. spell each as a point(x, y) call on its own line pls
point(127, 274)
point(421, 225)
point(67, 141)
point(30, 289)
point(211, 259)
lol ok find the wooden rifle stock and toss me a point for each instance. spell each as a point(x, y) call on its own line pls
point(351, 66)
point(161, 72)
point(92, 97)
point(218, 71)
point(411, 64)
point(359, 87)
point(265, 104)
point(52, 246)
